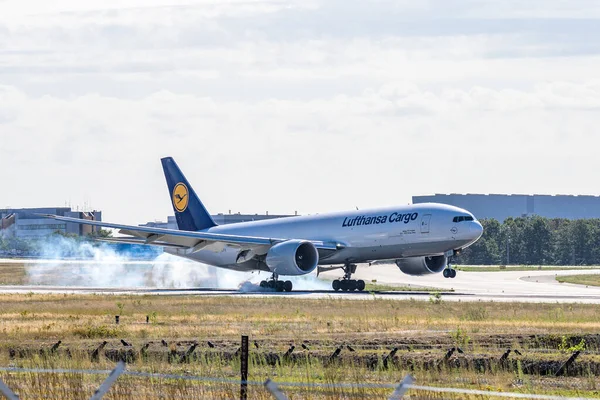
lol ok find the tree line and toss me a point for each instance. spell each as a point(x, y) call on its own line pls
point(535, 241)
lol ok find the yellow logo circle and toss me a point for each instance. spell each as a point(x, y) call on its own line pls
point(180, 197)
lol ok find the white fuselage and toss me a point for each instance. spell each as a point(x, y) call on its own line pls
point(426, 229)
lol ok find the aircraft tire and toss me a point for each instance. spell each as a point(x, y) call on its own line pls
point(279, 286)
point(287, 286)
point(336, 285)
point(352, 286)
point(344, 285)
point(446, 273)
point(453, 275)
point(264, 284)
point(360, 285)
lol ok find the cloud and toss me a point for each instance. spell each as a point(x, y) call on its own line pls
point(308, 106)
point(390, 139)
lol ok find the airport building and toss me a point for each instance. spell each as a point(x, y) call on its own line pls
point(220, 219)
point(502, 206)
point(24, 223)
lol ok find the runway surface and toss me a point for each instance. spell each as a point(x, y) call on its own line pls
point(504, 286)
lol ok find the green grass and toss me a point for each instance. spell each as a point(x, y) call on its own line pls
point(500, 268)
point(588, 280)
point(378, 287)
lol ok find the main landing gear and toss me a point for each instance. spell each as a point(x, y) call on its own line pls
point(279, 286)
point(346, 284)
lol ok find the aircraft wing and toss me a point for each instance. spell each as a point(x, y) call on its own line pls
point(192, 241)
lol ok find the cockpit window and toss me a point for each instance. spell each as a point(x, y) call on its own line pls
point(463, 218)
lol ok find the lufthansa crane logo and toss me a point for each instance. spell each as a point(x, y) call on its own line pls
point(180, 197)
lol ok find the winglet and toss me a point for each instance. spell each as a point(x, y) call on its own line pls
point(190, 213)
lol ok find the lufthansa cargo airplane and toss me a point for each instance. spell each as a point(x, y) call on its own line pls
point(419, 238)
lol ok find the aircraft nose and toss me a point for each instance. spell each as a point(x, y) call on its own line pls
point(476, 229)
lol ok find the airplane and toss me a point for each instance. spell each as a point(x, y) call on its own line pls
point(420, 238)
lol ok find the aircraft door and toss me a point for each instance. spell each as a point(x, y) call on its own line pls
point(425, 223)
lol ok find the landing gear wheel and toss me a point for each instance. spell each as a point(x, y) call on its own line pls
point(279, 286)
point(344, 285)
point(336, 285)
point(360, 285)
point(287, 286)
point(352, 285)
point(449, 273)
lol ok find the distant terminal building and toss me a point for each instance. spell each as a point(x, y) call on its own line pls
point(220, 219)
point(24, 223)
point(502, 206)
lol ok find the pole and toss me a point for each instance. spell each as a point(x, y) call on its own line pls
point(402, 388)
point(244, 369)
point(5, 390)
point(106, 385)
point(275, 391)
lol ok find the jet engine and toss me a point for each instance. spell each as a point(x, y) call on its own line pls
point(292, 257)
point(422, 265)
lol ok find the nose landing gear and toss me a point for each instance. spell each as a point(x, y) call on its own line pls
point(275, 283)
point(346, 284)
point(449, 273)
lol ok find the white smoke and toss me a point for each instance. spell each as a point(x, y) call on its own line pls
point(72, 262)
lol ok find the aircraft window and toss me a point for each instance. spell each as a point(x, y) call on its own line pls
point(462, 218)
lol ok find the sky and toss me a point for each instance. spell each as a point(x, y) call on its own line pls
point(284, 106)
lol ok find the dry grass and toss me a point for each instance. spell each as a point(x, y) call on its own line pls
point(35, 321)
point(12, 274)
point(50, 316)
point(73, 386)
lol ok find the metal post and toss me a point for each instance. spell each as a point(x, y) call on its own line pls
point(106, 385)
point(563, 368)
point(244, 369)
point(274, 389)
point(402, 388)
point(9, 394)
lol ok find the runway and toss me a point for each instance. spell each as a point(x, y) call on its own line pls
point(504, 286)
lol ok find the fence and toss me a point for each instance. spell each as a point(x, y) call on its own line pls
point(273, 388)
point(73, 386)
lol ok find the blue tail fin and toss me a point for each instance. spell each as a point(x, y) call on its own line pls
point(189, 210)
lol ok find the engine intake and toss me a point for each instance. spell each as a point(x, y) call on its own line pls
point(292, 257)
point(422, 265)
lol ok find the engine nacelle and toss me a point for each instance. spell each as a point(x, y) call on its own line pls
point(292, 257)
point(422, 265)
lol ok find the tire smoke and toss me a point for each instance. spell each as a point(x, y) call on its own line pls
point(68, 261)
